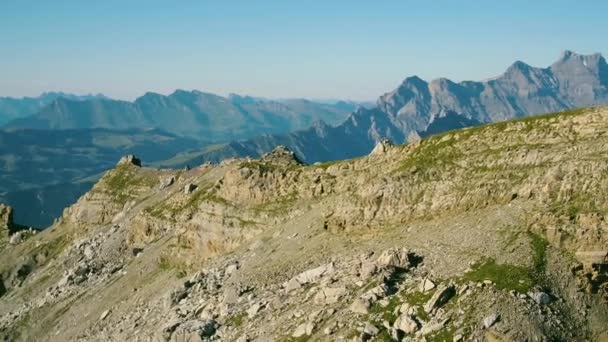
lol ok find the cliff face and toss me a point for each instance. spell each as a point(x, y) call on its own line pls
point(496, 231)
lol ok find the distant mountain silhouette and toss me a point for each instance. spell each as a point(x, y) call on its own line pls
point(203, 116)
point(418, 108)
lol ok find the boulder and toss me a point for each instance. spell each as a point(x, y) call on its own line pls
point(232, 268)
point(406, 324)
point(304, 329)
point(368, 269)
point(394, 257)
point(540, 298)
point(167, 182)
point(490, 320)
point(371, 329)
point(189, 188)
point(253, 310)
point(382, 146)
point(426, 285)
point(129, 159)
point(360, 306)
point(329, 295)
point(309, 277)
point(440, 297)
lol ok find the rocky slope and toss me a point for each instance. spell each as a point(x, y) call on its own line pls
point(489, 233)
point(417, 108)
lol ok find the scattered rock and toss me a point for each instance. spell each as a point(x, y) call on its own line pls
point(304, 329)
point(104, 315)
point(440, 297)
point(406, 323)
point(232, 268)
point(541, 298)
point(329, 295)
point(395, 257)
point(368, 269)
point(371, 329)
point(167, 182)
point(490, 320)
point(253, 310)
point(309, 277)
point(360, 306)
point(426, 285)
point(189, 188)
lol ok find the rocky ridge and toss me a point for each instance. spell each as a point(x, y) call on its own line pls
point(495, 232)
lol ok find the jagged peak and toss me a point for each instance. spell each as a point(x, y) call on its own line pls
point(129, 159)
point(566, 54)
point(570, 56)
point(281, 155)
point(413, 81)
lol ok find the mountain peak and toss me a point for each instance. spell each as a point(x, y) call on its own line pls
point(413, 80)
point(566, 54)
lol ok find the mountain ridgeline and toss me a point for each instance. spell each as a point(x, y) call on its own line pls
point(206, 117)
point(418, 108)
point(15, 108)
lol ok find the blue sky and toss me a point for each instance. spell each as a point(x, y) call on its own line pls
point(316, 49)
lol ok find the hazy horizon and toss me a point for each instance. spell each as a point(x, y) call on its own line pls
point(276, 50)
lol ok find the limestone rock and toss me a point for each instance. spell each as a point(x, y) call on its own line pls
point(540, 298)
point(490, 320)
point(395, 257)
point(426, 285)
point(189, 188)
point(440, 297)
point(6, 220)
point(360, 306)
point(309, 277)
point(382, 146)
point(329, 295)
point(406, 323)
point(281, 155)
point(129, 160)
point(304, 329)
point(371, 329)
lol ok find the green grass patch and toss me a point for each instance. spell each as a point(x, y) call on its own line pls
point(444, 335)
point(124, 180)
point(386, 312)
point(504, 276)
point(539, 256)
point(439, 151)
point(236, 320)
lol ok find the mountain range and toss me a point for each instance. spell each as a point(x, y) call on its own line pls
point(13, 108)
point(203, 116)
point(417, 108)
